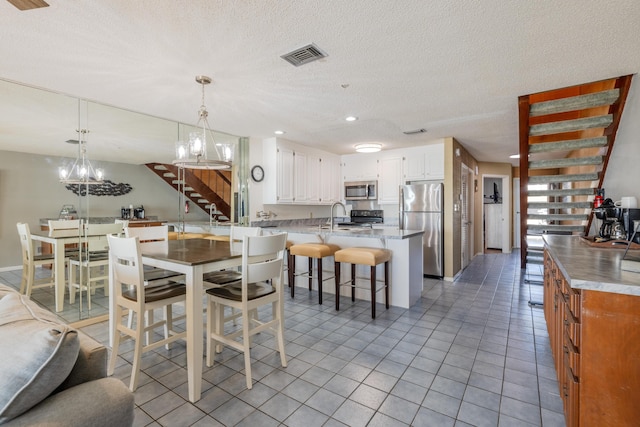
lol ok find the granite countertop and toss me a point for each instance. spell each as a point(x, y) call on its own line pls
point(107, 220)
point(590, 268)
point(378, 233)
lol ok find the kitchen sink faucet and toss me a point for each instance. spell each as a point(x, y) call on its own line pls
point(333, 206)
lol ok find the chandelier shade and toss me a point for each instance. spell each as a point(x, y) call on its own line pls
point(193, 153)
point(81, 171)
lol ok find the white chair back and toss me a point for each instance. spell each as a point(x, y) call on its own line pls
point(262, 260)
point(25, 242)
point(152, 239)
point(64, 227)
point(126, 265)
point(237, 234)
point(98, 235)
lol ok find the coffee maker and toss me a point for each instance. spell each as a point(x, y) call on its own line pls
point(612, 221)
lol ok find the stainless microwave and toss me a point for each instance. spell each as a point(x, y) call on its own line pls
point(361, 190)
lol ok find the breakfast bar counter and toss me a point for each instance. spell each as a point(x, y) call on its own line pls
point(405, 266)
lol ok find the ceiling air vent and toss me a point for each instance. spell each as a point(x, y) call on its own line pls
point(414, 132)
point(304, 55)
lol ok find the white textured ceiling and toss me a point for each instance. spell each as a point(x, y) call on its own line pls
point(455, 67)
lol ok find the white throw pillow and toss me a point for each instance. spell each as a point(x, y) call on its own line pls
point(37, 353)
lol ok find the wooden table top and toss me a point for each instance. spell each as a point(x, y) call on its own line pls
point(196, 251)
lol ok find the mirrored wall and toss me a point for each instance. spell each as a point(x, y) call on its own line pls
point(37, 124)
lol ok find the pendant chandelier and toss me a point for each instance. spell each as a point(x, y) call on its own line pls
point(81, 172)
point(192, 154)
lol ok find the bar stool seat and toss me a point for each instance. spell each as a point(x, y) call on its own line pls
point(312, 251)
point(363, 256)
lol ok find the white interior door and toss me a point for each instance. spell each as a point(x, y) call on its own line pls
point(466, 226)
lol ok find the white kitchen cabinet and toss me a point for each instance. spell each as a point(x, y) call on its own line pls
point(434, 161)
point(493, 225)
point(424, 163)
point(329, 179)
point(360, 167)
point(297, 177)
point(389, 179)
point(311, 174)
point(285, 167)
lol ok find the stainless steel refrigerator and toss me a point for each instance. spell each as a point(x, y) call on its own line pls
point(421, 209)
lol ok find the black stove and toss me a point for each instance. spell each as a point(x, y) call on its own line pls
point(364, 218)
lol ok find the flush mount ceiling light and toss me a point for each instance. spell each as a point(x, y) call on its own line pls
point(351, 118)
point(514, 156)
point(81, 171)
point(192, 154)
point(368, 148)
point(279, 132)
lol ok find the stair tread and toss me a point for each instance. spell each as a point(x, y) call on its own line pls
point(573, 103)
point(559, 205)
point(567, 145)
point(571, 125)
point(566, 162)
point(566, 192)
point(560, 217)
point(545, 179)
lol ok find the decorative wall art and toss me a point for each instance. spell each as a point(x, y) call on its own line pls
point(107, 188)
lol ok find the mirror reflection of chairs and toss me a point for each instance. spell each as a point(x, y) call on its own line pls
point(88, 269)
point(30, 261)
point(261, 284)
point(131, 294)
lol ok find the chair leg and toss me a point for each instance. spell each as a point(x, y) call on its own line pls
point(319, 263)
point(219, 312)
point(310, 271)
point(24, 279)
point(292, 272)
point(373, 291)
point(386, 284)
point(210, 328)
point(353, 283)
point(168, 324)
point(246, 343)
point(137, 354)
point(72, 281)
point(337, 273)
point(116, 342)
point(278, 313)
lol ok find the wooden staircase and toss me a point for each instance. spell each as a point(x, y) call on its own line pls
point(566, 138)
point(201, 186)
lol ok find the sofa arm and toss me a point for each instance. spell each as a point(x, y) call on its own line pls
point(105, 402)
point(90, 365)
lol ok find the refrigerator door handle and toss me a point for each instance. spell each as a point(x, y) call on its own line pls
point(401, 209)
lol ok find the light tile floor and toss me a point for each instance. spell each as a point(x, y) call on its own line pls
point(471, 352)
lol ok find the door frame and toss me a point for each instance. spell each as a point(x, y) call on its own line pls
point(470, 204)
point(506, 211)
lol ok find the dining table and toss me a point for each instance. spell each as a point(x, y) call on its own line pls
point(192, 258)
point(58, 240)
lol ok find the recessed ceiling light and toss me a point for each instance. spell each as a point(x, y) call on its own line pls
point(514, 156)
point(351, 118)
point(368, 148)
point(279, 132)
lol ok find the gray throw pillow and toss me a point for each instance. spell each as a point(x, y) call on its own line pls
point(37, 353)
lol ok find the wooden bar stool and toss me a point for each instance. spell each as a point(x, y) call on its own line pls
point(311, 251)
point(363, 256)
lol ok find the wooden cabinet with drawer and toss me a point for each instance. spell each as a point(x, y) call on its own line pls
point(595, 340)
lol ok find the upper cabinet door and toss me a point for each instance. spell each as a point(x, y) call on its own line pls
point(434, 161)
point(329, 179)
point(389, 179)
point(424, 163)
point(285, 171)
point(311, 174)
point(360, 167)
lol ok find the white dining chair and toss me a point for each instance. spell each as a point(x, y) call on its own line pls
point(89, 267)
point(221, 278)
point(261, 284)
point(130, 293)
point(30, 261)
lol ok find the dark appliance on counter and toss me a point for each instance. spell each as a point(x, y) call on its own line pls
point(125, 213)
point(421, 208)
point(630, 220)
point(361, 190)
point(364, 218)
point(612, 222)
point(138, 213)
